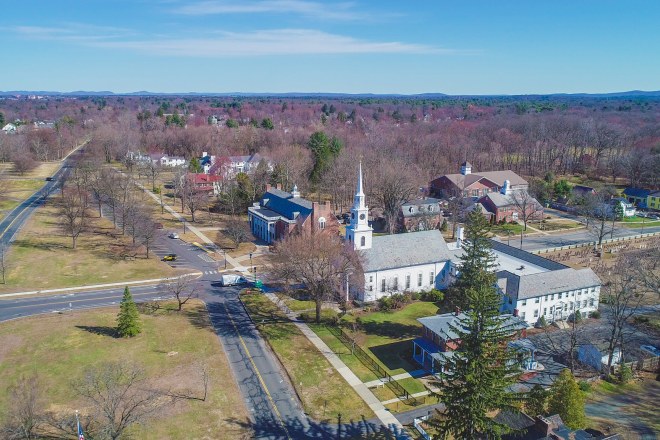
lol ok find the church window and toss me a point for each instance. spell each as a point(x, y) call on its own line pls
point(431, 278)
point(322, 223)
point(382, 285)
point(395, 283)
point(363, 241)
point(407, 281)
point(419, 279)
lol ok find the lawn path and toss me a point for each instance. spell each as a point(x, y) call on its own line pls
point(365, 393)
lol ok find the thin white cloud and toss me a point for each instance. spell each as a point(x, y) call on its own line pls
point(268, 42)
point(71, 32)
point(326, 11)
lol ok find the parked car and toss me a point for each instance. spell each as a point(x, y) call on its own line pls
point(173, 235)
point(232, 280)
point(49, 179)
point(169, 257)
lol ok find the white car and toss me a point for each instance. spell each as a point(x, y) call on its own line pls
point(173, 235)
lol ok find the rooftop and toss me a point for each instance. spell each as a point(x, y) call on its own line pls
point(405, 250)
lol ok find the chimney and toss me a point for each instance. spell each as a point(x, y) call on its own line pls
point(457, 311)
point(279, 186)
point(466, 168)
point(515, 312)
point(268, 187)
point(459, 236)
point(204, 154)
point(543, 426)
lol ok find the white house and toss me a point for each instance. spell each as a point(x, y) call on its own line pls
point(9, 128)
point(627, 208)
point(168, 161)
point(230, 166)
point(414, 261)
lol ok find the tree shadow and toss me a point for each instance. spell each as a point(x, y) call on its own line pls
point(391, 329)
point(395, 355)
point(100, 330)
point(41, 245)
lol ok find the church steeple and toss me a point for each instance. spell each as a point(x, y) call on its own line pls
point(359, 231)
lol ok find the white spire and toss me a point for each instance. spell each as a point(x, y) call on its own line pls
point(359, 191)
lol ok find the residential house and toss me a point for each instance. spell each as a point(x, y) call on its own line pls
point(420, 215)
point(625, 207)
point(157, 158)
point(206, 161)
point(581, 191)
point(230, 166)
point(533, 287)
point(439, 339)
point(171, 161)
point(475, 184)
point(545, 428)
point(637, 196)
point(280, 213)
point(9, 128)
point(653, 200)
point(597, 356)
point(205, 182)
point(502, 207)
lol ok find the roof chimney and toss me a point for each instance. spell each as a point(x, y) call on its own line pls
point(294, 192)
point(506, 188)
point(457, 311)
point(466, 168)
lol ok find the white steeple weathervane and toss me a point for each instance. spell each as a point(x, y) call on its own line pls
point(359, 231)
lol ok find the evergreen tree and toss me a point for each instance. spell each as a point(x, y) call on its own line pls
point(567, 400)
point(536, 403)
point(475, 380)
point(477, 262)
point(324, 150)
point(128, 319)
point(194, 166)
point(267, 123)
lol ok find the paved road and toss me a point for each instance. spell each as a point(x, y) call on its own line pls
point(536, 242)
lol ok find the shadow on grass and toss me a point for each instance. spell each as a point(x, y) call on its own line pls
point(395, 355)
point(100, 330)
point(42, 245)
point(198, 317)
point(391, 329)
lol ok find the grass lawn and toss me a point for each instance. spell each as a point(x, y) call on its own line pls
point(315, 380)
point(631, 410)
point(506, 228)
point(296, 305)
point(17, 190)
point(58, 349)
point(42, 257)
point(639, 222)
point(556, 225)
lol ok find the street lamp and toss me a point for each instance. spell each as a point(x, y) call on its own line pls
point(254, 269)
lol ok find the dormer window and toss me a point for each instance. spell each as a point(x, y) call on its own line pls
point(322, 223)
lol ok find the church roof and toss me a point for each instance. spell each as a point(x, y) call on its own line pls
point(405, 250)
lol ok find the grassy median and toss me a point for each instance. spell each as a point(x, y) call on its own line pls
point(324, 393)
point(171, 349)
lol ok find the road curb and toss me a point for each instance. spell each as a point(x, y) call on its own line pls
point(97, 286)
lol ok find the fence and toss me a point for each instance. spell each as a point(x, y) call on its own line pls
point(417, 423)
point(593, 243)
point(368, 362)
point(651, 364)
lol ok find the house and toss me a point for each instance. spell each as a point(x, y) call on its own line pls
point(545, 428)
point(420, 215)
point(533, 287)
point(280, 213)
point(653, 200)
point(625, 207)
point(439, 339)
point(476, 185)
point(581, 191)
point(414, 261)
point(637, 196)
point(9, 128)
point(230, 166)
point(164, 160)
point(502, 207)
point(206, 162)
point(597, 357)
point(205, 182)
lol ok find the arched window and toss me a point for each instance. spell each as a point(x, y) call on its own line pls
point(322, 223)
point(363, 241)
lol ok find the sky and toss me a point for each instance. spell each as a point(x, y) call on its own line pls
point(379, 46)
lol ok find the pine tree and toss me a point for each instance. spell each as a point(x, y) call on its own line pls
point(477, 262)
point(128, 319)
point(567, 400)
point(475, 380)
point(537, 401)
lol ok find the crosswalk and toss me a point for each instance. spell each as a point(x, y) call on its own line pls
point(206, 258)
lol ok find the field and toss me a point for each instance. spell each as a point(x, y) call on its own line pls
point(324, 393)
point(42, 257)
point(170, 350)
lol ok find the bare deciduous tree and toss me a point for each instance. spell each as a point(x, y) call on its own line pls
point(320, 261)
point(528, 208)
point(392, 189)
point(597, 213)
point(237, 230)
point(120, 395)
point(24, 415)
point(73, 214)
point(183, 289)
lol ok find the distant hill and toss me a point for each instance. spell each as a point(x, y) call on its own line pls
point(628, 94)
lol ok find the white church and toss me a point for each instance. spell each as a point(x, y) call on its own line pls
point(414, 261)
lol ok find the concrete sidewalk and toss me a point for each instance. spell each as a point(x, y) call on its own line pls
point(416, 373)
point(360, 388)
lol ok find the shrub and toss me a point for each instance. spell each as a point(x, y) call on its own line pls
point(156, 190)
point(625, 374)
point(433, 295)
point(385, 304)
point(416, 296)
point(542, 322)
point(577, 316)
point(595, 314)
point(585, 386)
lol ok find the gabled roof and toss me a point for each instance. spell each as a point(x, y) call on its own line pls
point(637, 192)
point(413, 208)
point(496, 177)
point(201, 178)
point(555, 281)
point(443, 325)
point(285, 204)
point(405, 250)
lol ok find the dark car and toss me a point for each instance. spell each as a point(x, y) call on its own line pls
point(49, 179)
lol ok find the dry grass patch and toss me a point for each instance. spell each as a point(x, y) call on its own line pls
point(42, 257)
point(58, 349)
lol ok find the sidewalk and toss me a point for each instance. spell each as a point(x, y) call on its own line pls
point(360, 388)
point(416, 373)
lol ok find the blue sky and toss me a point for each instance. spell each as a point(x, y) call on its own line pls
point(455, 47)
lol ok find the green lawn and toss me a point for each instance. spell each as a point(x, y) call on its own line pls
point(324, 393)
point(506, 228)
point(639, 222)
point(58, 348)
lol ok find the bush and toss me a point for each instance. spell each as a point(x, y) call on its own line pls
point(542, 322)
point(585, 386)
point(577, 316)
point(433, 295)
point(625, 374)
point(595, 314)
point(385, 304)
point(416, 296)
point(156, 190)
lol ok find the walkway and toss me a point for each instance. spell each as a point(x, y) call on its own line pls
point(360, 388)
point(406, 375)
